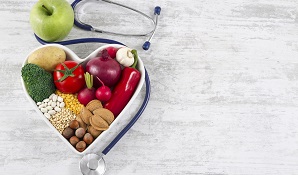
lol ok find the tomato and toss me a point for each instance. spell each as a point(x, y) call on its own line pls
point(69, 77)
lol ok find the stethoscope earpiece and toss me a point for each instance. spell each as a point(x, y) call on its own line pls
point(146, 45)
point(157, 10)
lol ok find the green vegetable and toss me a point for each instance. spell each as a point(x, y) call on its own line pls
point(39, 83)
point(135, 55)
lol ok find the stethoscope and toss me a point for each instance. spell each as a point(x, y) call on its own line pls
point(94, 164)
point(82, 25)
point(78, 22)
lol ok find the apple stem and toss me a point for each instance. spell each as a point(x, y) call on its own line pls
point(47, 10)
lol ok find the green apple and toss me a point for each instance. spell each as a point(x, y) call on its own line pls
point(52, 20)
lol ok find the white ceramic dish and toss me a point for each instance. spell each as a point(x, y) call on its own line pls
point(70, 55)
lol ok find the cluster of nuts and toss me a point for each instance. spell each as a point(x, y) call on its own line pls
point(89, 124)
point(51, 105)
point(96, 118)
point(77, 136)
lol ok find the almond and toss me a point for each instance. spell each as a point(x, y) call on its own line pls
point(93, 104)
point(98, 123)
point(105, 114)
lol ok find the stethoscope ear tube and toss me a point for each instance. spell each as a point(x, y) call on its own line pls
point(147, 43)
point(88, 27)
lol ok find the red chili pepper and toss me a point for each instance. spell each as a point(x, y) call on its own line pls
point(124, 90)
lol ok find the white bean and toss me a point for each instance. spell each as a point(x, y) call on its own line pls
point(60, 99)
point(46, 100)
point(47, 115)
point(49, 103)
point(55, 98)
point(49, 108)
point(42, 106)
point(53, 104)
point(43, 110)
point(52, 112)
point(62, 104)
point(58, 103)
point(51, 96)
point(57, 109)
point(38, 103)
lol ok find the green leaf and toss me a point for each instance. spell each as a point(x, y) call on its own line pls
point(135, 55)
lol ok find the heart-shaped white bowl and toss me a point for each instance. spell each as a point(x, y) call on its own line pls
point(70, 55)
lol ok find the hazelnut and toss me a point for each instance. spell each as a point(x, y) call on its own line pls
point(80, 132)
point(88, 138)
point(74, 124)
point(68, 132)
point(74, 140)
point(81, 146)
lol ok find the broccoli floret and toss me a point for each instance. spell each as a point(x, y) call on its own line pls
point(39, 83)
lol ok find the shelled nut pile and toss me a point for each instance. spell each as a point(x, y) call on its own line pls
point(88, 125)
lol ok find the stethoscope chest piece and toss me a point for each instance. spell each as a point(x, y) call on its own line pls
point(92, 164)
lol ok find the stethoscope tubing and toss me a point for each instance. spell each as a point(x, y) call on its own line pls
point(89, 27)
point(87, 163)
point(77, 22)
point(135, 118)
point(79, 41)
point(145, 46)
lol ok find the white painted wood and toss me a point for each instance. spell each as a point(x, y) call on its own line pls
point(224, 100)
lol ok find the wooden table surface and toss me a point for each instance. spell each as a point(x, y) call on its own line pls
point(224, 79)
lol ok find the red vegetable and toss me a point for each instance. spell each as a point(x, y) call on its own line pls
point(112, 51)
point(69, 77)
point(124, 90)
point(105, 68)
point(103, 93)
point(87, 94)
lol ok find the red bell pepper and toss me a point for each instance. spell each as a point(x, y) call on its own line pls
point(124, 90)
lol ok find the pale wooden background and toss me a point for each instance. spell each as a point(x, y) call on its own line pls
point(224, 97)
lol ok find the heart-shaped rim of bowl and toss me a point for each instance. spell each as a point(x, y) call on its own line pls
point(70, 55)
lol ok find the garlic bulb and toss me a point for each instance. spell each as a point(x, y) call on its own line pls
point(125, 57)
